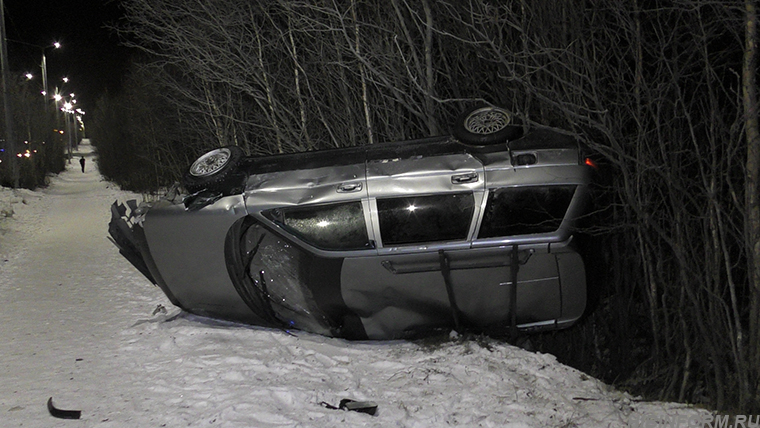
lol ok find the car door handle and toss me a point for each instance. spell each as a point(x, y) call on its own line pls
point(413, 267)
point(469, 177)
point(350, 187)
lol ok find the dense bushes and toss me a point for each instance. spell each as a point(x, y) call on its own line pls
point(662, 91)
point(40, 147)
point(138, 139)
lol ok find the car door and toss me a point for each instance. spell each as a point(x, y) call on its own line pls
point(306, 213)
point(423, 200)
point(528, 211)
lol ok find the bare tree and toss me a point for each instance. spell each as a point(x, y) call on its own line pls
point(752, 192)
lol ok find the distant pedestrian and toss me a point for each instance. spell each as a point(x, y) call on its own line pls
point(81, 162)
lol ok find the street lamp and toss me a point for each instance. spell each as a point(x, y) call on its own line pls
point(81, 113)
point(66, 109)
point(55, 45)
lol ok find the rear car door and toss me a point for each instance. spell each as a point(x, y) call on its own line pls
point(424, 198)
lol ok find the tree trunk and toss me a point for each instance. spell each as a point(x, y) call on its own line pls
point(362, 74)
point(429, 71)
point(749, 97)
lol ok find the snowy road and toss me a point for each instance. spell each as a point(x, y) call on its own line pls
point(65, 299)
point(77, 323)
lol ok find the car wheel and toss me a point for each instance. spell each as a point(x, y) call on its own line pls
point(484, 125)
point(214, 170)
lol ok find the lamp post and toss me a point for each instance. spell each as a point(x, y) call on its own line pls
point(45, 92)
point(80, 122)
point(43, 65)
point(10, 149)
point(74, 124)
point(66, 109)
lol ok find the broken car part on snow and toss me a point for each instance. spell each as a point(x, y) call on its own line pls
point(62, 414)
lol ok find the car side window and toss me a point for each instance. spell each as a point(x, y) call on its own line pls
point(420, 219)
point(525, 210)
point(329, 227)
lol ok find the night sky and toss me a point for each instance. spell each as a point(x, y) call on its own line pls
point(90, 56)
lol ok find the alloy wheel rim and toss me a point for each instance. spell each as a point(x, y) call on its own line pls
point(210, 163)
point(487, 121)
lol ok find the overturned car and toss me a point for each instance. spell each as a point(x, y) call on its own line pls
point(471, 232)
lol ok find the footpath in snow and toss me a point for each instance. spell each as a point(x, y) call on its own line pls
point(78, 323)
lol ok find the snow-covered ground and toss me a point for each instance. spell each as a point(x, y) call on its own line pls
point(78, 323)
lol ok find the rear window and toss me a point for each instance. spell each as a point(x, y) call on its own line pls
point(525, 210)
point(421, 219)
point(330, 227)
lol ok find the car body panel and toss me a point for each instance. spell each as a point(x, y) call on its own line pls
point(398, 294)
point(175, 236)
point(306, 186)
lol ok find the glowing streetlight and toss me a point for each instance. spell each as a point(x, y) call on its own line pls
point(55, 45)
point(29, 76)
point(67, 109)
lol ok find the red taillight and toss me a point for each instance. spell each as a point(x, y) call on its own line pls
point(591, 163)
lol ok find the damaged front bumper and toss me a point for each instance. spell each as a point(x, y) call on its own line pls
point(185, 252)
point(128, 235)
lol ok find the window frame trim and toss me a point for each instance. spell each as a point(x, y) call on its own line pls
point(561, 234)
point(478, 198)
point(298, 240)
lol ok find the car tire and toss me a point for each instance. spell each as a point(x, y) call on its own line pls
point(485, 125)
point(214, 170)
